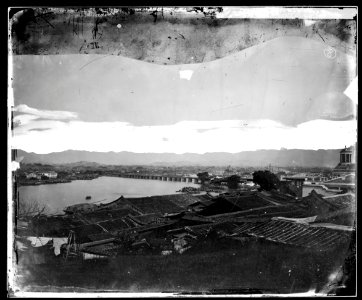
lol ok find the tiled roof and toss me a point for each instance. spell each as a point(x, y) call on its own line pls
point(146, 218)
point(294, 234)
point(340, 217)
point(149, 227)
point(333, 226)
point(155, 204)
point(202, 203)
point(115, 225)
point(99, 236)
point(204, 229)
point(204, 197)
point(200, 230)
point(342, 201)
point(82, 232)
point(282, 198)
point(182, 200)
point(315, 200)
point(108, 249)
point(247, 200)
point(267, 211)
point(198, 218)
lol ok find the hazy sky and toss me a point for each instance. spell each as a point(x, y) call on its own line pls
point(283, 93)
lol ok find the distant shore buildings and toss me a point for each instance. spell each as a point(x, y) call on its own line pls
point(341, 179)
point(38, 175)
point(343, 175)
point(50, 174)
point(33, 175)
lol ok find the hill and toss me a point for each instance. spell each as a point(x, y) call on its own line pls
point(282, 158)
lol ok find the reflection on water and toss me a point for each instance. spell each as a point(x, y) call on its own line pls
point(103, 189)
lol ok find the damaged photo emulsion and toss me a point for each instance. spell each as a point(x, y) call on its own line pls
point(206, 150)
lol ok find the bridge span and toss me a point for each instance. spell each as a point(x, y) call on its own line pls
point(179, 178)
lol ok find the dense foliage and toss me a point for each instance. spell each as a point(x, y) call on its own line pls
point(266, 179)
point(233, 181)
point(203, 176)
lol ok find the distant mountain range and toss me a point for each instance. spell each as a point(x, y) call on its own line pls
point(258, 158)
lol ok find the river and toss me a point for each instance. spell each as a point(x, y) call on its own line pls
point(102, 189)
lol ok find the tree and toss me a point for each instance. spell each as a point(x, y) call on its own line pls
point(203, 176)
point(28, 209)
point(266, 179)
point(233, 181)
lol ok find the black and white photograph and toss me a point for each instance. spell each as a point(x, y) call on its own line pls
point(182, 151)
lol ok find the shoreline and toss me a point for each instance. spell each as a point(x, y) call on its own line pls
point(55, 181)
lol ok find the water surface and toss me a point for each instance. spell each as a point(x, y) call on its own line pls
point(102, 189)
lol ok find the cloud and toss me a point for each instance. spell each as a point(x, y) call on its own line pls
point(26, 124)
point(187, 136)
point(32, 119)
point(45, 114)
point(24, 119)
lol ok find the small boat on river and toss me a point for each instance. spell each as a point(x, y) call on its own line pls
point(88, 198)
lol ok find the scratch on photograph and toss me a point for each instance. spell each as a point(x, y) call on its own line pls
point(174, 151)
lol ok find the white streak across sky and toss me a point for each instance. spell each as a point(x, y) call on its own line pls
point(290, 92)
point(33, 133)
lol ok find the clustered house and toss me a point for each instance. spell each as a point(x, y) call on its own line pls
point(38, 175)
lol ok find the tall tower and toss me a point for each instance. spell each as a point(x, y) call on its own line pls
point(346, 156)
point(347, 162)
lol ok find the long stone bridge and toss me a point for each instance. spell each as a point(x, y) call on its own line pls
point(179, 178)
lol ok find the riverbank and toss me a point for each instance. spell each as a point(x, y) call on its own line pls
point(40, 182)
point(102, 189)
point(27, 182)
point(203, 188)
point(21, 181)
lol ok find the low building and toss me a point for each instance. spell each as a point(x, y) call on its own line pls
point(322, 206)
point(343, 183)
point(82, 207)
point(292, 185)
point(50, 174)
point(32, 176)
point(320, 189)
